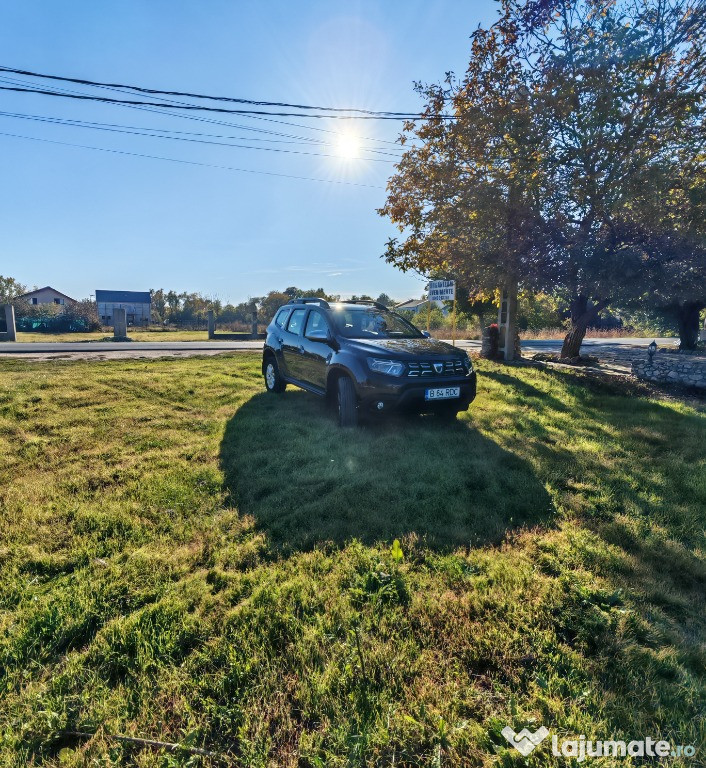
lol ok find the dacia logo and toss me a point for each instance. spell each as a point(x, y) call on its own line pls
point(438, 367)
point(525, 741)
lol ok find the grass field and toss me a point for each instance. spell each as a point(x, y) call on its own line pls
point(185, 558)
point(135, 335)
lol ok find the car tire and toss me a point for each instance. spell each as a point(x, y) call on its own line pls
point(273, 381)
point(347, 403)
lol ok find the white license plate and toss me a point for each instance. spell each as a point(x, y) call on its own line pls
point(442, 393)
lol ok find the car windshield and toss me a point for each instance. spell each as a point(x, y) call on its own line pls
point(372, 323)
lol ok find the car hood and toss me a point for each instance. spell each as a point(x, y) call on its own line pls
point(405, 348)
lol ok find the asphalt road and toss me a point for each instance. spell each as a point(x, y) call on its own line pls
point(612, 350)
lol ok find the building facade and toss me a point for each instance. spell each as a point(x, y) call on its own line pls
point(47, 295)
point(137, 306)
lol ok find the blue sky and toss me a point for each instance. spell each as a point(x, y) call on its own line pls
point(80, 219)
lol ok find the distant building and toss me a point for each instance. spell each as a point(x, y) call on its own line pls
point(47, 295)
point(137, 306)
point(420, 305)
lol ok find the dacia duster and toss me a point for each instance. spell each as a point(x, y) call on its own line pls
point(365, 359)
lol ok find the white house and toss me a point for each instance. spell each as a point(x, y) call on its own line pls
point(420, 305)
point(47, 295)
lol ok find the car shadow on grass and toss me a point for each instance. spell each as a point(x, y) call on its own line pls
point(305, 481)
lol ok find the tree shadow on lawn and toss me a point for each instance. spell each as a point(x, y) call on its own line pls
point(540, 398)
point(304, 480)
point(626, 468)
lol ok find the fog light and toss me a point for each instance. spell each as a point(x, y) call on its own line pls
point(380, 405)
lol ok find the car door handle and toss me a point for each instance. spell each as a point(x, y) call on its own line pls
point(279, 339)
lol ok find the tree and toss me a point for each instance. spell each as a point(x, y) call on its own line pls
point(362, 297)
point(82, 315)
point(240, 313)
point(469, 193)
point(682, 291)
point(173, 300)
point(667, 230)
point(10, 289)
point(269, 304)
point(678, 285)
point(294, 293)
point(539, 310)
point(385, 300)
point(566, 107)
point(618, 84)
point(159, 304)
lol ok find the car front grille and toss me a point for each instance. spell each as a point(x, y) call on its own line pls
point(449, 368)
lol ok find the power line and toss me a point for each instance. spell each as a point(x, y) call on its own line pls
point(134, 131)
point(392, 144)
point(191, 162)
point(222, 110)
point(153, 91)
point(161, 111)
point(287, 138)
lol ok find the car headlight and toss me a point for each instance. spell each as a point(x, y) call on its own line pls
point(389, 367)
point(467, 364)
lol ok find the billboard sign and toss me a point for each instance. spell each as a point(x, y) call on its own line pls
point(442, 290)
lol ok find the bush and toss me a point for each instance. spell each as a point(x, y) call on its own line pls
point(83, 313)
point(52, 318)
point(462, 321)
point(538, 310)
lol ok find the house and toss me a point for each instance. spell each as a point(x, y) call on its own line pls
point(47, 295)
point(137, 306)
point(420, 305)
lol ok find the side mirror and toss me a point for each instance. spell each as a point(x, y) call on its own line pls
point(426, 334)
point(318, 335)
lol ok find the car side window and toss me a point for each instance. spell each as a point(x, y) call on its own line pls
point(281, 318)
point(316, 322)
point(296, 321)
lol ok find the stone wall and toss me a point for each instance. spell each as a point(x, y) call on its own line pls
point(673, 367)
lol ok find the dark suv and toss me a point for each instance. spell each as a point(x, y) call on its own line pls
point(365, 359)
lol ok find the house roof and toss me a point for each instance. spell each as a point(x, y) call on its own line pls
point(410, 303)
point(46, 288)
point(127, 297)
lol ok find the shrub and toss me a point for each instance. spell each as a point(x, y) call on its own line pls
point(52, 318)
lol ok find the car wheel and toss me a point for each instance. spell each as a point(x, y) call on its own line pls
point(273, 381)
point(347, 405)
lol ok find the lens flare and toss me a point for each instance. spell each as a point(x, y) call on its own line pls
point(348, 146)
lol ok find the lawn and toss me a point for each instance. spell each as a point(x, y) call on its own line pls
point(134, 335)
point(186, 558)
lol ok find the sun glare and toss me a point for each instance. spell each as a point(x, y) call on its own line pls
point(348, 146)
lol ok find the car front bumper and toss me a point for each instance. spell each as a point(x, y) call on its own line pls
point(400, 395)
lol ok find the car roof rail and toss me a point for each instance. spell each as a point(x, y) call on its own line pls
point(310, 300)
point(372, 303)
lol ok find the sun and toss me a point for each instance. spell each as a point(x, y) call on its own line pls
point(348, 145)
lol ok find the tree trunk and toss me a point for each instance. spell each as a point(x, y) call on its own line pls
point(688, 317)
point(573, 339)
point(582, 314)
